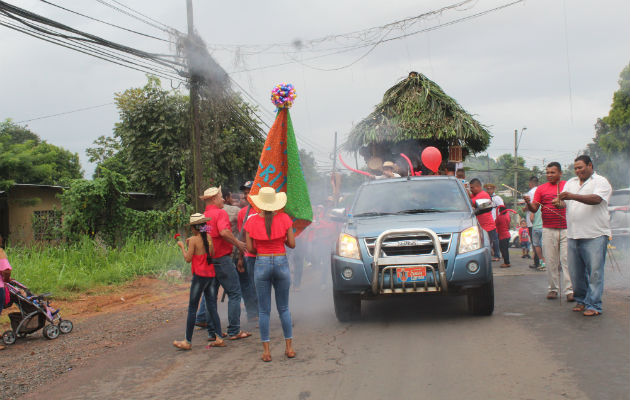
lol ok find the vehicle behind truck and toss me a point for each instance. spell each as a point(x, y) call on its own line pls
point(411, 236)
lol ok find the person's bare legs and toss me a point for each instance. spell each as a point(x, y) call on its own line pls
point(289, 352)
point(266, 355)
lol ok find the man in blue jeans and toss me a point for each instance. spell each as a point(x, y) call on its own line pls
point(223, 241)
point(588, 230)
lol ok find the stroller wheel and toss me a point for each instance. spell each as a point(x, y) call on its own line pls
point(51, 331)
point(65, 326)
point(8, 337)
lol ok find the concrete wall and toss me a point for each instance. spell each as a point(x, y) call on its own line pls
point(22, 202)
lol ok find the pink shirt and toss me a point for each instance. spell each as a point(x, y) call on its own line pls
point(4, 266)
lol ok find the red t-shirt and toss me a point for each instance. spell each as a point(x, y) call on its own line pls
point(263, 243)
point(552, 217)
point(503, 225)
point(218, 222)
point(485, 219)
point(523, 234)
point(239, 220)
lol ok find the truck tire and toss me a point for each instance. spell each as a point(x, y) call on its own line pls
point(481, 299)
point(347, 306)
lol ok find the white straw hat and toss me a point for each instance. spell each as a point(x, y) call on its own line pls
point(197, 219)
point(267, 199)
point(210, 192)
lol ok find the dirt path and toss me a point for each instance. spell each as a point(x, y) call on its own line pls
point(101, 323)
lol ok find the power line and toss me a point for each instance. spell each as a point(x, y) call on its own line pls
point(64, 113)
point(106, 23)
point(146, 20)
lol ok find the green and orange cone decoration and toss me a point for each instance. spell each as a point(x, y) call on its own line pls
point(280, 166)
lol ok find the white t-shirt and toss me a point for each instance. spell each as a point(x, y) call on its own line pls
point(387, 177)
point(586, 221)
point(528, 213)
point(496, 202)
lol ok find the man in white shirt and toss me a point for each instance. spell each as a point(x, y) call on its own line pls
point(497, 201)
point(533, 184)
point(588, 230)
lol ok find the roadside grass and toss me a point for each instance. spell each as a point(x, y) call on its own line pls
point(69, 269)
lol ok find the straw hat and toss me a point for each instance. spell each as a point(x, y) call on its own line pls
point(489, 186)
point(197, 219)
point(210, 192)
point(268, 200)
point(389, 164)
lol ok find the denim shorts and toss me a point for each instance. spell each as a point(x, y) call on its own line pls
point(525, 245)
point(537, 237)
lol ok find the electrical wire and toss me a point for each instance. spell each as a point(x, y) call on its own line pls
point(64, 113)
point(106, 23)
point(147, 21)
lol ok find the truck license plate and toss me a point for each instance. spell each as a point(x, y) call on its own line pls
point(411, 274)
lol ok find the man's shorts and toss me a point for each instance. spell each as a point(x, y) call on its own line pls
point(537, 237)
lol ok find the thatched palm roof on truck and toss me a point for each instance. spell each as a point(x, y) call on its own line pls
point(417, 108)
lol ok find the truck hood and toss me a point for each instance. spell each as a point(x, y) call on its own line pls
point(438, 222)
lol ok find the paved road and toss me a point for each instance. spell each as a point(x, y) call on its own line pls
point(531, 348)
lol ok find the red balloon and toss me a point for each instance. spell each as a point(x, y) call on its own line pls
point(431, 158)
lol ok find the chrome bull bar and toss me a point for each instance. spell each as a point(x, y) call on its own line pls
point(389, 264)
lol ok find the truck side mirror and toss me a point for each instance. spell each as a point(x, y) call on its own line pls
point(483, 206)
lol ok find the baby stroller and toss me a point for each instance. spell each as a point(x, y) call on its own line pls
point(35, 312)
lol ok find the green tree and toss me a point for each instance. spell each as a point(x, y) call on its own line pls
point(25, 158)
point(610, 149)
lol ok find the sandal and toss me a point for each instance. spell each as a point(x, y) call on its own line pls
point(505, 265)
point(240, 335)
point(290, 354)
point(591, 313)
point(215, 344)
point(182, 344)
point(579, 308)
point(266, 357)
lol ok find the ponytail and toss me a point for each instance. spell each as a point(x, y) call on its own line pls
point(268, 221)
point(206, 245)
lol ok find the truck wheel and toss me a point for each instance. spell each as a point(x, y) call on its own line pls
point(481, 299)
point(347, 306)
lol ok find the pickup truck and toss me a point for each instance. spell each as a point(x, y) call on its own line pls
point(411, 236)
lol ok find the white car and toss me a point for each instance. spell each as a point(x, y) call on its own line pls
point(619, 209)
point(514, 239)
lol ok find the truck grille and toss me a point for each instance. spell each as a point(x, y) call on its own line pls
point(408, 245)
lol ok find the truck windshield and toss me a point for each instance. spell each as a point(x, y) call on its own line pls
point(410, 197)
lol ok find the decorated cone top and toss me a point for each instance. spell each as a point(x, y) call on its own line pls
point(280, 166)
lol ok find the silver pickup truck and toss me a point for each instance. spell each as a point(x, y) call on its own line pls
point(411, 236)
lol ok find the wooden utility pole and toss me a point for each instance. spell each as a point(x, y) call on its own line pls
point(195, 143)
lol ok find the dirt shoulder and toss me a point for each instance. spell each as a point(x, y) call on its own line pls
point(102, 322)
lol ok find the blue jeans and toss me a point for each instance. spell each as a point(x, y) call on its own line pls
point(248, 288)
point(199, 285)
point(227, 276)
point(2, 299)
point(494, 241)
point(586, 266)
point(273, 271)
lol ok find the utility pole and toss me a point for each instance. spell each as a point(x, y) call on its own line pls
point(515, 164)
point(195, 149)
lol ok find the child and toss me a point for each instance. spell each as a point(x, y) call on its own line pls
point(199, 254)
point(5, 276)
point(503, 230)
point(523, 235)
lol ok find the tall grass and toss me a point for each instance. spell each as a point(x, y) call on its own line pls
point(66, 269)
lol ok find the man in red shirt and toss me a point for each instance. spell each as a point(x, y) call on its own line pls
point(485, 220)
point(220, 230)
point(554, 238)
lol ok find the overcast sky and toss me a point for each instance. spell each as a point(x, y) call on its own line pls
point(513, 68)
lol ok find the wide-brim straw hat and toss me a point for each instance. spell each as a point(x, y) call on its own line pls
point(210, 192)
point(268, 200)
point(389, 164)
point(489, 186)
point(198, 218)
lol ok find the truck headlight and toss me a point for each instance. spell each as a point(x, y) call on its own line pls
point(348, 246)
point(469, 240)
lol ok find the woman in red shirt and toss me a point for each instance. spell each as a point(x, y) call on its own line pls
point(199, 254)
point(267, 234)
point(503, 229)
